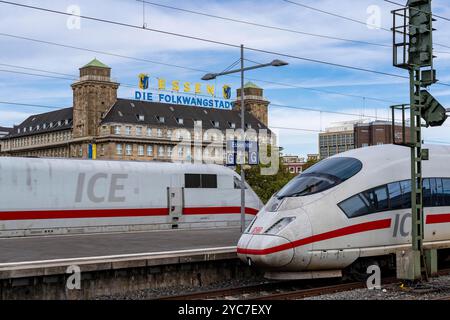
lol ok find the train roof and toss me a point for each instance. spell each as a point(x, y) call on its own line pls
point(391, 151)
point(166, 167)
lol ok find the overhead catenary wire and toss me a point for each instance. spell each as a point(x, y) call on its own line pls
point(433, 14)
point(74, 78)
point(330, 92)
point(261, 25)
point(206, 40)
point(348, 18)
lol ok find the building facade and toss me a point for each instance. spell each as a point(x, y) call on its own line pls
point(3, 133)
point(293, 164)
point(101, 125)
point(358, 134)
point(336, 139)
point(378, 133)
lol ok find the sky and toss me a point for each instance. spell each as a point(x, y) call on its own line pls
point(175, 58)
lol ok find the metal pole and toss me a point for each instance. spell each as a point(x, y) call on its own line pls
point(243, 132)
point(416, 176)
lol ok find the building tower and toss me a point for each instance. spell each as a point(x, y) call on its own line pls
point(255, 103)
point(93, 95)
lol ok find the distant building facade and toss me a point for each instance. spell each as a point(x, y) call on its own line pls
point(293, 164)
point(337, 139)
point(378, 133)
point(358, 134)
point(122, 129)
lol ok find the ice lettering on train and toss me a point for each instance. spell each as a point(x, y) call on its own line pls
point(400, 225)
point(86, 186)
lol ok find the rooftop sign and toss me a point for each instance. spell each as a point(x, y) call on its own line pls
point(183, 93)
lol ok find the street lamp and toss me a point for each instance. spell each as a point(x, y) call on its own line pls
point(212, 76)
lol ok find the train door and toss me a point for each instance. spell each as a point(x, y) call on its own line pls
point(175, 196)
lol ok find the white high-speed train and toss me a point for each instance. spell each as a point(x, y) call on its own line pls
point(60, 196)
point(353, 205)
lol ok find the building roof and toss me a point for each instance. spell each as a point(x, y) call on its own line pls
point(128, 111)
point(96, 63)
point(45, 122)
point(5, 129)
point(251, 85)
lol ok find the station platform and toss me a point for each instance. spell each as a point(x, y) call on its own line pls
point(41, 267)
point(89, 246)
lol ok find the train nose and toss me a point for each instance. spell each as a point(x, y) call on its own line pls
point(265, 251)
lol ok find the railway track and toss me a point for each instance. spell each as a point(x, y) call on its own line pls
point(287, 290)
point(273, 291)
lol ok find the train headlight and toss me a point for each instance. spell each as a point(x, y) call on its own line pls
point(279, 225)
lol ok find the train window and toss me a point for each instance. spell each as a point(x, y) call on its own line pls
point(306, 184)
point(209, 181)
point(342, 168)
point(427, 198)
point(439, 193)
point(395, 196)
point(354, 207)
point(320, 177)
point(406, 191)
point(446, 191)
point(382, 198)
point(192, 181)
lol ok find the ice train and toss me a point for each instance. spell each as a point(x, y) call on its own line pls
point(351, 206)
point(64, 196)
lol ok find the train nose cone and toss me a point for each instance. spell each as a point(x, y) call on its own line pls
point(266, 251)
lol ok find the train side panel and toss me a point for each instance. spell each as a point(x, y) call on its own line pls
point(48, 196)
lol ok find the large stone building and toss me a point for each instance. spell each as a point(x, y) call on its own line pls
point(358, 134)
point(4, 131)
point(100, 125)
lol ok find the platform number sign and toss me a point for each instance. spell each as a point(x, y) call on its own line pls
point(237, 150)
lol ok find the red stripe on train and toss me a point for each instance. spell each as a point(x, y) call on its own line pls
point(114, 213)
point(358, 228)
point(438, 218)
point(218, 210)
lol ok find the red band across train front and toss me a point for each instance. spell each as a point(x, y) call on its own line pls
point(358, 228)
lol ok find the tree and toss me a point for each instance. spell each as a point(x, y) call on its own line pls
point(265, 186)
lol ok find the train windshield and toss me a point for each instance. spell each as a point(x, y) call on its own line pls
point(320, 177)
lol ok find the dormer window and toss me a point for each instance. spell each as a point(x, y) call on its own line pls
point(198, 122)
point(38, 127)
point(31, 128)
point(232, 125)
point(59, 123)
point(44, 126)
point(51, 124)
point(160, 119)
point(180, 120)
point(248, 126)
point(215, 124)
point(140, 117)
point(18, 130)
point(66, 122)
